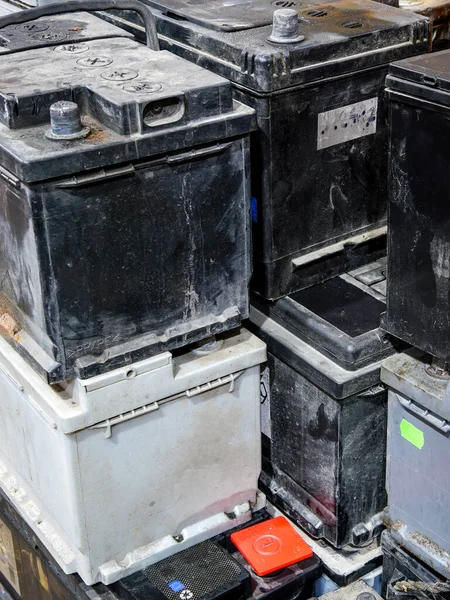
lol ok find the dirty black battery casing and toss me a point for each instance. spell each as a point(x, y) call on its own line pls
point(418, 299)
point(204, 572)
point(325, 425)
point(132, 240)
point(215, 570)
point(319, 159)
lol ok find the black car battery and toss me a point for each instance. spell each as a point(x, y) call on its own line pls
point(418, 298)
point(315, 76)
point(343, 566)
point(281, 564)
point(216, 569)
point(203, 572)
point(324, 411)
point(405, 577)
point(124, 202)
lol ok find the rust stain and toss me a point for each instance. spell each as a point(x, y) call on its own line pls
point(97, 134)
point(75, 29)
point(422, 540)
point(43, 579)
point(9, 324)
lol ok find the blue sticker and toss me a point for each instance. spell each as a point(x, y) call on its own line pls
point(176, 586)
point(254, 209)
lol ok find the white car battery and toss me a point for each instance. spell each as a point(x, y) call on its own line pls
point(118, 471)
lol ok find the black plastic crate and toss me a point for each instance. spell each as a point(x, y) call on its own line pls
point(319, 159)
point(418, 301)
point(134, 237)
point(325, 439)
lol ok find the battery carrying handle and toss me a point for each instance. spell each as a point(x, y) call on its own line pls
point(48, 10)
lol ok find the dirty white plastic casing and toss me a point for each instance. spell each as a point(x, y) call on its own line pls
point(116, 472)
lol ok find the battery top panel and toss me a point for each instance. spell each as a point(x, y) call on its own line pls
point(345, 306)
point(237, 15)
point(430, 75)
point(135, 102)
point(57, 30)
point(330, 39)
point(340, 317)
point(204, 572)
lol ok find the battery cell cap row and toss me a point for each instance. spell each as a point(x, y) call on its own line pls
point(271, 545)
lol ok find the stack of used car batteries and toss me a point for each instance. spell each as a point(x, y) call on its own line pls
point(417, 545)
point(126, 214)
point(315, 74)
point(129, 394)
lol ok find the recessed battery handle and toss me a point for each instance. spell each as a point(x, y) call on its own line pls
point(32, 14)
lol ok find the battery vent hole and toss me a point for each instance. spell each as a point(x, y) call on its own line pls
point(428, 80)
point(160, 112)
point(284, 3)
point(352, 24)
point(130, 374)
point(317, 13)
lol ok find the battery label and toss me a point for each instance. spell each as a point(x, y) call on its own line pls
point(8, 564)
point(265, 403)
point(412, 433)
point(347, 123)
point(176, 585)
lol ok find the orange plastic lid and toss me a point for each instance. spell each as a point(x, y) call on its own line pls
point(271, 545)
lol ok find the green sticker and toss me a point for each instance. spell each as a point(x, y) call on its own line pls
point(412, 434)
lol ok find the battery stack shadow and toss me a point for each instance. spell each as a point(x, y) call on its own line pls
point(124, 273)
point(417, 546)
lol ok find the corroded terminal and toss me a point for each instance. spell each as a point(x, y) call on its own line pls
point(65, 122)
point(285, 27)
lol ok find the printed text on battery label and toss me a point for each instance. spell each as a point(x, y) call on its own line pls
point(347, 123)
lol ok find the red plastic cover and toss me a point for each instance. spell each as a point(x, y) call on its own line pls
point(271, 545)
